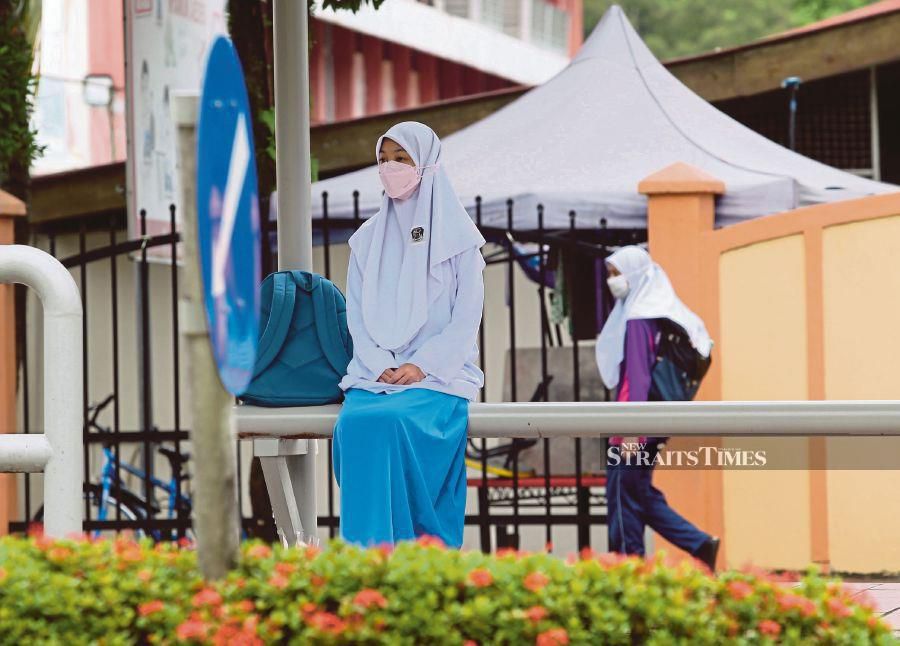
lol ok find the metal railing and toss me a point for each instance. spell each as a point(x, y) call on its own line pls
point(286, 436)
point(57, 451)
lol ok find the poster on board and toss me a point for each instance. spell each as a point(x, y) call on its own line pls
point(166, 44)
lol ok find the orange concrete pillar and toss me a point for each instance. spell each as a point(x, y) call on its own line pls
point(680, 210)
point(10, 209)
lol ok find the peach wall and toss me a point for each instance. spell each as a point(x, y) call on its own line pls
point(801, 304)
point(862, 319)
point(763, 328)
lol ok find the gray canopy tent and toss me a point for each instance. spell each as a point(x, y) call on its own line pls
point(583, 141)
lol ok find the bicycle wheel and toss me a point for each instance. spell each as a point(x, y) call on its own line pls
point(128, 507)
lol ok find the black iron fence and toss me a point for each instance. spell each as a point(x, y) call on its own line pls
point(151, 494)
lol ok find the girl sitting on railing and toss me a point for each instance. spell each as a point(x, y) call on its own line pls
point(415, 294)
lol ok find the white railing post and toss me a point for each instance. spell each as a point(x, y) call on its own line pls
point(58, 452)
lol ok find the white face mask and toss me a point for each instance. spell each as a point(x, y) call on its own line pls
point(618, 285)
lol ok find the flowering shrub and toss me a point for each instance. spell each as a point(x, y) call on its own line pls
point(75, 592)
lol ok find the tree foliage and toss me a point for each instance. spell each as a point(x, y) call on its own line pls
point(18, 146)
point(673, 28)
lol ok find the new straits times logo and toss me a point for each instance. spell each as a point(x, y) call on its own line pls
point(647, 454)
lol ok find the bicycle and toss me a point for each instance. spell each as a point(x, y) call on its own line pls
point(112, 499)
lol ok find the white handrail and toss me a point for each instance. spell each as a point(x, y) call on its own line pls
point(58, 452)
point(281, 435)
point(603, 419)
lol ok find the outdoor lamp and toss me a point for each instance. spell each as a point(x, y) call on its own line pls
point(98, 90)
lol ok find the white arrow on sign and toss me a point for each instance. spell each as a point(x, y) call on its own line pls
point(237, 173)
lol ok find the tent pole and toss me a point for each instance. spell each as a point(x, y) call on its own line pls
point(290, 466)
point(292, 135)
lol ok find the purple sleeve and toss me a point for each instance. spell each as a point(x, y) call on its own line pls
point(640, 355)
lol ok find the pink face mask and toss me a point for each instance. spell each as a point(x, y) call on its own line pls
point(399, 180)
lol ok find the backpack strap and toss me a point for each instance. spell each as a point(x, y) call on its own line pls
point(284, 295)
point(327, 326)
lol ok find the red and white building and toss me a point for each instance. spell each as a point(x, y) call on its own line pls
point(408, 53)
point(405, 54)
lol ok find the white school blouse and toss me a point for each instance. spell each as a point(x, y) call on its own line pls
point(445, 348)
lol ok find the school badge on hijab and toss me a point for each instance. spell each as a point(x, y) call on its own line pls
point(417, 234)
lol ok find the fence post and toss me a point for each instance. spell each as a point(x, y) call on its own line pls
point(10, 209)
point(680, 210)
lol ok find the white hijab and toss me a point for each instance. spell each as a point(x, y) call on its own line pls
point(400, 250)
point(650, 296)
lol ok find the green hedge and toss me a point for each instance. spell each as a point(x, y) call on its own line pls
point(118, 592)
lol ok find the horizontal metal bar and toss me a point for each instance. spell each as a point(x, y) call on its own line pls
point(21, 453)
point(604, 419)
point(127, 437)
point(129, 246)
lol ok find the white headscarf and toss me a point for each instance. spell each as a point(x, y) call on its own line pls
point(650, 296)
point(402, 248)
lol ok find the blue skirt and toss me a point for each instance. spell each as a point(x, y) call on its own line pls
point(399, 460)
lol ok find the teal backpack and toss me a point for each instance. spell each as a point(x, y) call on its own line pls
point(304, 345)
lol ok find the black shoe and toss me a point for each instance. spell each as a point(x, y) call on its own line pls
point(708, 552)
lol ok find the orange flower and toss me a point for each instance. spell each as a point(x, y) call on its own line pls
point(369, 598)
point(430, 541)
point(587, 554)
point(278, 581)
point(185, 542)
point(308, 608)
point(536, 581)
point(245, 605)
point(386, 549)
point(875, 623)
point(145, 575)
point(536, 613)
point(59, 553)
point(611, 559)
point(548, 547)
point(317, 581)
point(191, 629)
point(206, 597)
point(480, 578)
point(250, 623)
point(838, 609)
point(150, 607)
point(3, 573)
point(285, 568)
point(806, 606)
point(132, 554)
point(470, 642)
point(553, 637)
point(259, 551)
point(327, 622)
point(311, 552)
point(769, 627)
point(739, 590)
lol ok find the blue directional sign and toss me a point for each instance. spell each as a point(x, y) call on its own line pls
point(228, 217)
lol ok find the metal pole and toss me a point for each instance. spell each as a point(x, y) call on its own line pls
point(212, 433)
point(792, 83)
point(292, 135)
point(873, 123)
point(61, 303)
point(293, 175)
point(604, 419)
